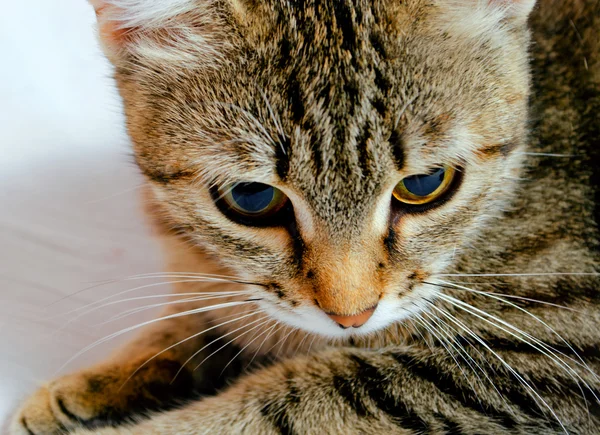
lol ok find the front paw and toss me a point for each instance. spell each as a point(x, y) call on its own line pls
point(102, 396)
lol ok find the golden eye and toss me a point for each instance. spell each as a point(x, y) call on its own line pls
point(251, 201)
point(423, 189)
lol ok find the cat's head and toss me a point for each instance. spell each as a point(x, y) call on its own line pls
point(339, 153)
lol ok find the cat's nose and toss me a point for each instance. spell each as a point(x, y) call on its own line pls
point(355, 321)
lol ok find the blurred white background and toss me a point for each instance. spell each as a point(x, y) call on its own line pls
point(69, 212)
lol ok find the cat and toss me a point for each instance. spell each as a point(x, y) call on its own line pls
point(380, 217)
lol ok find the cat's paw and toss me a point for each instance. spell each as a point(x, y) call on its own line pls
point(102, 396)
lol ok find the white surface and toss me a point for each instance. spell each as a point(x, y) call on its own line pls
point(69, 213)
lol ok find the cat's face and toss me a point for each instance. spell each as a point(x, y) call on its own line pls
point(373, 140)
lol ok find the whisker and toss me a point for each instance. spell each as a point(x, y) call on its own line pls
point(131, 189)
point(528, 388)
point(521, 274)
point(283, 341)
point(200, 278)
point(581, 362)
point(545, 349)
point(545, 154)
point(492, 284)
point(191, 337)
point(431, 330)
point(98, 304)
point(141, 288)
point(245, 347)
point(148, 322)
point(231, 341)
point(466, 339)
point(136, 310)
point(311, 343)
point(464, 351)
point(299, 346)
point(263, 342)
point(142, 276)
point(193, 274)
point(212, 342)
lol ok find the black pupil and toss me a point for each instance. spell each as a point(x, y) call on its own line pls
point(423, 185)
point(253, 197)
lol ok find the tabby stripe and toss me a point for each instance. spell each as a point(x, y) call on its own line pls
point(450, 427)
point(374, 383)
point(495, 150)
point(277, 412)
point(298, 245)
point(346, 389)
point(24, 424)
point(294, 93)
point(282, 157)
point(294, 395)
point(364, 155)
point(163, 178)
point(446, 384)
point(278, 417)
point(344, 21)
point(390, 241)
point(397, 146)
point(590, 351)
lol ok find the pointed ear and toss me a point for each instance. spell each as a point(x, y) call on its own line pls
point(158, 29)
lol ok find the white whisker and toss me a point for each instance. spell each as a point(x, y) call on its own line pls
point(136, 310)
point(583, 363)
point(231, 341)
point(530, 390)
point(263, 342)
point(191, 337)
point(149, 322)
point(484, 372)
point(522, 274)
point(537, 344)
point(311, 343)
point(431, 330)
point(246, 346)
point(300, 344)
point(545, 154)
point(107, 298)
point(283, 341)
point(212, 342)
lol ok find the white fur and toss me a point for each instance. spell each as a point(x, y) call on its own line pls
point(391, 309)
point(482, 18)
point(186, 44)
point(144, 13)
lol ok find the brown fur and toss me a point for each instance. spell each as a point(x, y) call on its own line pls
point(334, 102)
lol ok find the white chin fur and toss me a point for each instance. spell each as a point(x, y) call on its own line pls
point(391, 309)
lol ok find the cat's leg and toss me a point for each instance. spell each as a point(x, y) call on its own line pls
point(140, 377)
point(402, 391)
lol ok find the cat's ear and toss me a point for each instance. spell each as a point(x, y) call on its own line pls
point(515, 10)
point(158, 29)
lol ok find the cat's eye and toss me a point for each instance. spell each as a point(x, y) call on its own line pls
point(250, 203)
point(425, 188)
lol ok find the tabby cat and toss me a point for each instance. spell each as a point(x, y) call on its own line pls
point(375, 218)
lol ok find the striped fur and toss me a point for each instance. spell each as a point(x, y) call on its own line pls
point(488, 319)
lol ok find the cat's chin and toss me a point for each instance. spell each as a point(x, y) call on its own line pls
point(389, 311)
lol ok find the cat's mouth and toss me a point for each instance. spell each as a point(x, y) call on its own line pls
point(389, 310)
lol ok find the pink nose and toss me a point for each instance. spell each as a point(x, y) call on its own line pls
point(355, 321)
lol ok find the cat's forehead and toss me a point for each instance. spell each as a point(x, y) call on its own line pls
point(362, 93)
point(336, 100)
